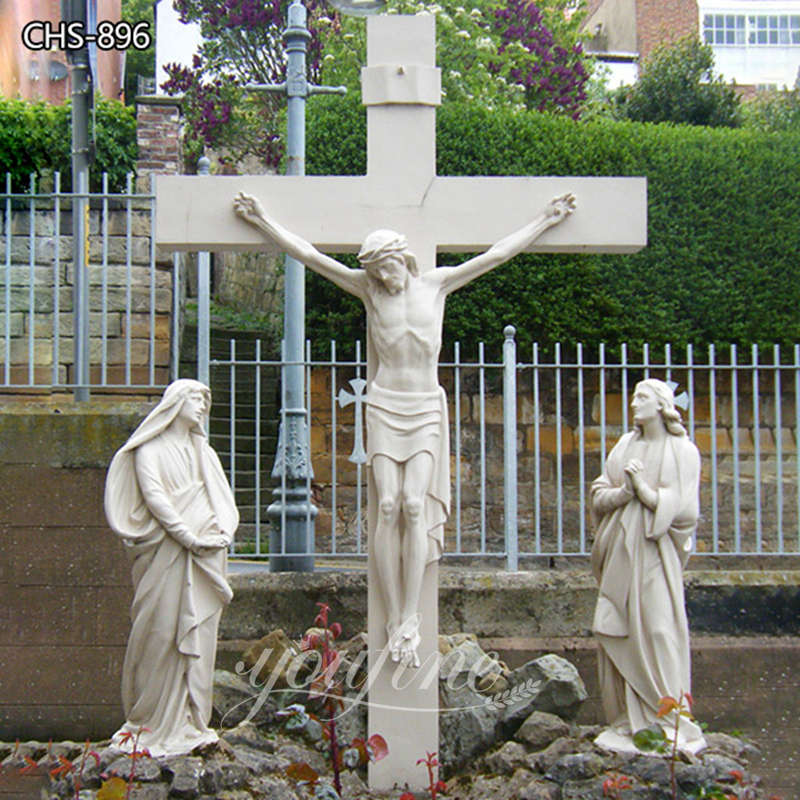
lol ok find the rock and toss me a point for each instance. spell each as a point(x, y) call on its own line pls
point(493, 683)
point(352, 722)
point(273, 652)
point(549, 683)
point(544, 760)
point(352, 785)
point(276, 789)
point(731, 746)
point(540, 729)
point(184, 773)
point(541, 790)
point(466, 663)
point(510, 757)
point(649, 768)
point(249, 735)
point(496, 788)
point(150, 791)
point(575, 766)
point(467, 726)
point(258, 762)
point(313, 730)
point(235, 700)
point(722, 766)
point(591, 789)
point(294, 753)
point(220, 776)
point(589, 731)
point(692, 777)
point(147, 769)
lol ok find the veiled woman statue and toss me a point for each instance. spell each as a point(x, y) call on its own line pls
point(646, 506)
point(168, 499)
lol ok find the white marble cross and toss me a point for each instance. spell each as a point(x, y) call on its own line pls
point(401, 191)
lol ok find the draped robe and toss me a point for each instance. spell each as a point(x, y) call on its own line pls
point(638, 557)
point(160, 496)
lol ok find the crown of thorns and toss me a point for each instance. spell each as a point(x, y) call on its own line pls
point(380, 244)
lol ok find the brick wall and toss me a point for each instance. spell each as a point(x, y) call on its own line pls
point(663, 21)
point(159, 136)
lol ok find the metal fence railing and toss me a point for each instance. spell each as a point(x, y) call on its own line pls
point(529, 432)
point(119, 318)
point(528, 435)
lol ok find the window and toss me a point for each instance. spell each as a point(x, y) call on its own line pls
point(759, 30)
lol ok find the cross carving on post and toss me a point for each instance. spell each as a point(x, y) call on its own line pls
point(446, 214)
point(358, 385)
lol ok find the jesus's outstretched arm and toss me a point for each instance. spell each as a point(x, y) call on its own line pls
point(556, 211)
point(250, 210)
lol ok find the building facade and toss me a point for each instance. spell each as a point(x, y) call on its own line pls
point(34, 74)
point(756, 43)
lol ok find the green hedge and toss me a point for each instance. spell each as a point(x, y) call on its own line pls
point(35, 137)
point(723, 230)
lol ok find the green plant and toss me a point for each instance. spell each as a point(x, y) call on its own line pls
point(719, 267)
point(35, 139)
point(326, 687)
point(677, 84)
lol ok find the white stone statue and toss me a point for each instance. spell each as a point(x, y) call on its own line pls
point(646, 505)
point(407, 430)
point(168, 499)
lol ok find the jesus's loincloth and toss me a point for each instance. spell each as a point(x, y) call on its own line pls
point(402, 424)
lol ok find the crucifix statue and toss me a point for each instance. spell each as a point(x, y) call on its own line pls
point(407, 431)
point(335, 214)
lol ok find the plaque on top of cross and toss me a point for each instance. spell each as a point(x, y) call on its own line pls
point(401, 191)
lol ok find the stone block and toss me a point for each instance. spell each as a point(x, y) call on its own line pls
point(16, 327)
point(548, 439)
point(703, 439)
point(87, 557)
point(42, 355)
point(140, 300)
point(613, 408)
point(36, 675)
point(43, 222)
point(118, 222)
point(593, 441)
point(41, 615)
point(117, 276)
point(116, 376)
point(20, 300)
point(20, 275)
point(43, 324)
point(465, 410)
point(43, 495)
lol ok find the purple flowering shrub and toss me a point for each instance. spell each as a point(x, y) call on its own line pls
point(242, 44)
point(553, 77)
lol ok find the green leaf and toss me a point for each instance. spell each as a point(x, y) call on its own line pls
point(651, 739)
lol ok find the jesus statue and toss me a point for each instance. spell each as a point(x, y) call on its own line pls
point(407, 429)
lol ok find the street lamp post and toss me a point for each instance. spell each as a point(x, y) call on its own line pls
point(292, 512)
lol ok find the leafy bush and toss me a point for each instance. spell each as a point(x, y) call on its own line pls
point(720, 266)
point(35, 137)
point(677, 84)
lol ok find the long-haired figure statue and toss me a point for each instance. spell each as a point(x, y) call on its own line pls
point(646, 505)
point(168, 499)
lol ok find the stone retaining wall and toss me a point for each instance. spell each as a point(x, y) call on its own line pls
point(53, 284)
